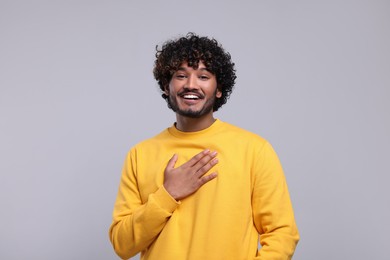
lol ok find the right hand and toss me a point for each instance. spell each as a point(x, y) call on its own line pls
point(182, 181)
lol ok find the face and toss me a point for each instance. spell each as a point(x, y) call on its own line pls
point(192, 92)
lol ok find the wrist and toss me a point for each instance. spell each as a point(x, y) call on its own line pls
point(171, 192)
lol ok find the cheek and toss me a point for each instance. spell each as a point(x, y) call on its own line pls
point(169, 89)
point(173, 87)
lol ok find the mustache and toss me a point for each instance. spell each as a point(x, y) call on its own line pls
point(189, 91)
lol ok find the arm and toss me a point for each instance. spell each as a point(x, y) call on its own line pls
point(135, 224)
point(272, 209)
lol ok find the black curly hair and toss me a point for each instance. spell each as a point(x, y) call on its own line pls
point(193, 49)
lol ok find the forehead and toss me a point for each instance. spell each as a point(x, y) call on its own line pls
point(199, 66)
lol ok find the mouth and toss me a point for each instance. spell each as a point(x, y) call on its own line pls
point(191, 96)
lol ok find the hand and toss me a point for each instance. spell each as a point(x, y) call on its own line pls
point(188, 178)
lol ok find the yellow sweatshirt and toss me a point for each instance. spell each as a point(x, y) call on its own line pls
point(224, 219)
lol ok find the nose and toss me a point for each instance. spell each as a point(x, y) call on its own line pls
point(191, 83)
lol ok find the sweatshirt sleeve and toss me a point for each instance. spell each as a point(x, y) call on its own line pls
point(136, 224)
point(272, 209)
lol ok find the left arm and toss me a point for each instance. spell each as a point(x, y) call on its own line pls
point(272, 210)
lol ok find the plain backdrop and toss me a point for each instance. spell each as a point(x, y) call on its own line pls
point(77, 92)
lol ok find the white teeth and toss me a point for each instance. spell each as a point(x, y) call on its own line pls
point(190, 96)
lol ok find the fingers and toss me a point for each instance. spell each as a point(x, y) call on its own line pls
point(194, 160)
point(207, 178)
point(206, 163)
point(200, 164)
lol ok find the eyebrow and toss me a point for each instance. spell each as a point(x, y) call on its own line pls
point(201, 69)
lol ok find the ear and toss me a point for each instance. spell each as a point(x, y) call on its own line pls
point(218, 94)
point(166, 90)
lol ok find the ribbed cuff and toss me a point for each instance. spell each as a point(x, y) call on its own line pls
point(165, 200)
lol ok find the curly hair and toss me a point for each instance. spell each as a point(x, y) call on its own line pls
point(193, 49)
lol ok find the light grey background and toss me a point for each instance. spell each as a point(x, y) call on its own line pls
point(76, 92)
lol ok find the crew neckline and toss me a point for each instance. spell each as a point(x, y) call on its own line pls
point(207, 131)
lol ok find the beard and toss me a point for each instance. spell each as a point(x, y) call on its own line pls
point(206, 109)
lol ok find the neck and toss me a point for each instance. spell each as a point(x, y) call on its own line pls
point(189, 124)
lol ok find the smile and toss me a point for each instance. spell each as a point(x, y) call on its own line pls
point(191, 96)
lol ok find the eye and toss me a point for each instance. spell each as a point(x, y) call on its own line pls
point(204, 77)
point(180, 76)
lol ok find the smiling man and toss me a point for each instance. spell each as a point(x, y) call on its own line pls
point(202, 188)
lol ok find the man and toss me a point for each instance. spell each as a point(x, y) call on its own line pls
point(201, 189)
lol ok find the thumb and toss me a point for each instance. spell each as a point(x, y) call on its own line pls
point(172, 162)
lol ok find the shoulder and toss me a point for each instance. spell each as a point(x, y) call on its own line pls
point(152, 142)
point(242, 134)
point(255, 147)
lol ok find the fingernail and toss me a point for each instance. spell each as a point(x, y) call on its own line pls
point(214, 153)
